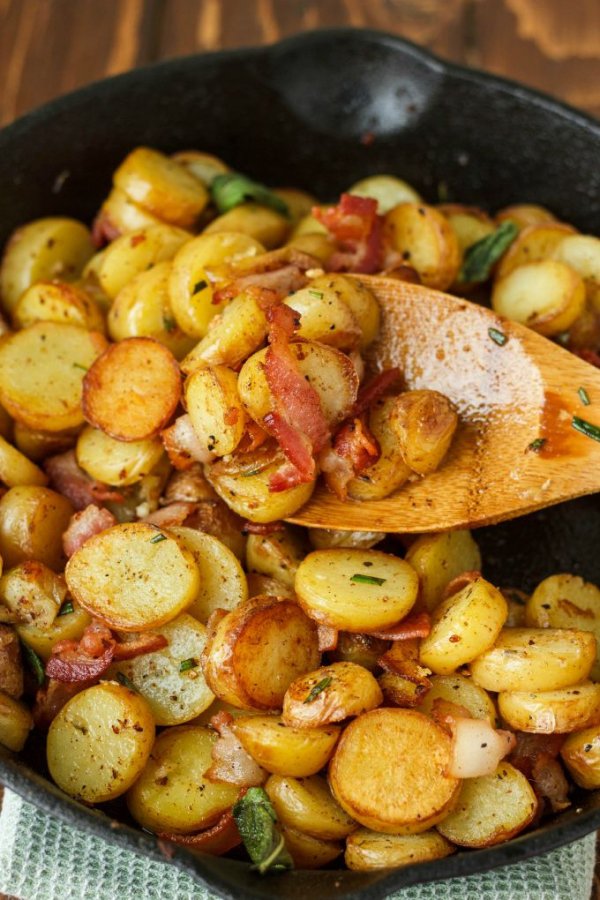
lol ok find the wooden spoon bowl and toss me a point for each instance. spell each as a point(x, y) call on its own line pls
point(517, 393)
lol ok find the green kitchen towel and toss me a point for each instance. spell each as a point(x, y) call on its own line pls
point(43, 858)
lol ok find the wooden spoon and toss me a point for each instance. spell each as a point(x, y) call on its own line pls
point(517, 393)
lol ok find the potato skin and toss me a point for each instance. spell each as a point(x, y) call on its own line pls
point(581, 755)
point(367, 850)
point(99, 743)
point(307, 805)
point(346, 690)
point(32, 522)
point(552, 712)
point(438, 558)
point(283, 750)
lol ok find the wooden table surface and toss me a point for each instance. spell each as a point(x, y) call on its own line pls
point(48, 47)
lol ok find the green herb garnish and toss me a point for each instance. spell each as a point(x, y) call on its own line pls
point(591, 431)
point(318, 295)
point(125, 681)
point(318, 689)
point(199, 286)
point(537, 445)
point(190, 663)
point(169, 324)
point(232, 189)
point(584, 396)
point(481, 256)
point(497, 336)
point(257, 823)
point(158, 538)
point(367, 579)
point(79, 366)
point(34, 662)
point(66, 608)
point(250, 473)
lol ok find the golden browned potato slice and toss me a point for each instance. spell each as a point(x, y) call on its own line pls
point(389, 771)
point(115, 462)
point(133, 576)
point(324, 317)
point(283, 750)
point(162, 186)
point(15, 723)
point(366, 850)
point(37, 445)
point(243, 480)
point(299, 203)
point(468, 223)
point(552, 712)
point(171, 679)
point(132, 390)
point(321, 246)
point(535, 659)
point(581, 755)
point(222, 580)
point(257, 650)
point(203, 166)
point(424, 423)
point(525, 214)
point(33, 592)
point(308, 852)
point(57, 301)
point(582, 253)
point(99, 743)
point(215, 408)
point(68, 626)
point(362, 649)
point(491, 809)
point(41, 374)
point(425, 240)
point(32, 523)
point(567, 601)
point(439, 558)
point(390, 471)
point(265, 225)
point(173, 793)
point(463, 627)
point(356, 590)
point(307, 805)
point(329, 539)
point(119, 215)
point(546, 295)
point(233, 336)
point(330, 694)
point(461, 691)
point(42, 250)
point(361, 300)
point(388, 190)
point(534, 243)
point(16, 469)
point(278, 554)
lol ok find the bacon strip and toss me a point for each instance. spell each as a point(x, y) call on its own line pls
point(50, 699)
point(69, 479)
point(354, 450)
point(354, 223)
point(84, 525)
point(417, 625)
point(139, 645)
point(216, 840)
point(171, 515)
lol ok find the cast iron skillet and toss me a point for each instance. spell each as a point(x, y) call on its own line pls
point(320, 111)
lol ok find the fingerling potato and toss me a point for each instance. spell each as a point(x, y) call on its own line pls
point(114, 462)
point(388, 190)
point(215, 408)
point(308, 852)
point(16, 469)
point(390, 471)
point(58, 301)
point(547, 296)
point(277, 555)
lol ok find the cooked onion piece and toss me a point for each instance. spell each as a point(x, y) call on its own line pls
point(581, 755)
point(546, 295)
point(491, 809)
point(425, 240)
point(356, 590)
point(535, 659)
point(132, 390)
point(284, 750)
point(306, 804)
point(215, 408)
point(57, 301)
point(330, 694)
point(390, 771)
point(133, 576)
point(257, 650)
point(424, 423)
point(366, 850)
point(115, 462)
point(477, 748)
point(463, 627)
point(552, 711)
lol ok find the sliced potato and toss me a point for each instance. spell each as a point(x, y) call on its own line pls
point(582, 253)
point(388, 190)
point(468, 223)
point(201, 266)
point(133, 370)
point(425, 240)
point(552, 712)
point(534, 243)
point(278, 554)
point(389, 771)
point(361, 300)
point(546, 295)
point(307, 805)
point(328, 539)
point(115, 462)
point(233, 336)
point(319, 245)
point(66, 627)
point(260, 223)
point(535, 659)
point(439, 558)
point(390, 471)
point(257, 650)
point(567, 601)
point(284, 750)
point(366, 850)
point(99, 743)
point(581, 755)
point(215, 408)
point(222, 580)
point(243, 480)
point(525, 214)
point(33, 592)
point(203, 166)
point(41, 374)
point(171, 679)
point(16, 469)
point(15, 723)
point(463, 692)
point(329, 371)
point(362, 649)
point(119, 214)
point(32, 522)
point(54, 247)
point(37, 445)
point(308, 852)
point(133, 576)
point(356, 590)
point(491, 809)
point(173, 793)
point(325, 317)
point(424, 423)
point(162, 186)
point(330, 694)
point(463, 627)
point(299, 203)
point(57, 301)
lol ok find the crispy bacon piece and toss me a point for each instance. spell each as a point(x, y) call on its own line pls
point(11, 665)
point(69, 479)
point(530, 746)
point(417, 625)
point(279, 271)
point(183, 446)
point(375, 388)
point(103, 230)
point(549, 781)
point(138, 645)
point(50, 699)
point(84, 525)
point(354, 223)
point(253, 437)
point(328, 638)
point(216, 840)
point(262, 527)
point(354, 449)
point(461, 581)
point(589, 356)
point(173, 514)
point(231, 763)
point(86, 660)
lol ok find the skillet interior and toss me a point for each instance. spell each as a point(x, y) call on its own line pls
point(295, 113)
